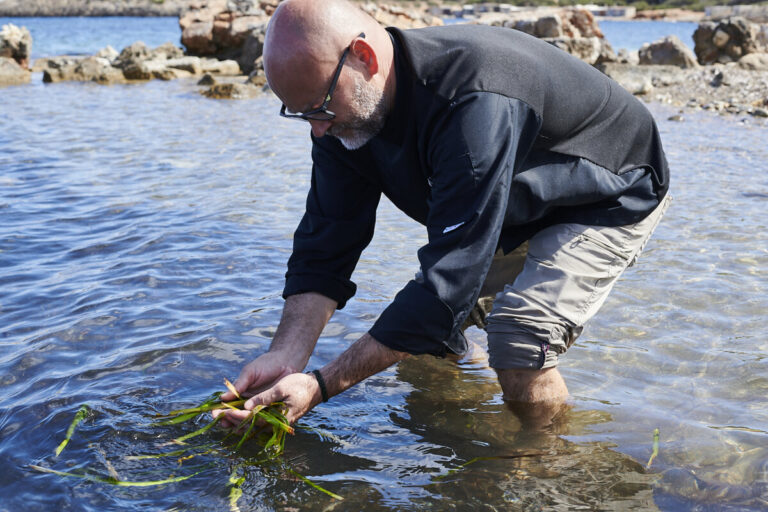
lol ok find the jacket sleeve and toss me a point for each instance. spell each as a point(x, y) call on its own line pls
point(472, 152)
point(337, 225)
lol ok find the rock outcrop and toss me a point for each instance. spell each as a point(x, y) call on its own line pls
point(754, 62)
point(135, 62)
point(669, 51)
point(88, 69)
point(16, 44)
point(221, 27)
point(729, 40)
point(574, 30)
point(398, 16)
point(234, 29)
point(11, 73)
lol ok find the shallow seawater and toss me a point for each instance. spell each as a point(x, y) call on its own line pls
point(143, 240)
point(632, 34)
point(87, 35)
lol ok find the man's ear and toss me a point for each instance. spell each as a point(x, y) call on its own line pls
point(363, 52)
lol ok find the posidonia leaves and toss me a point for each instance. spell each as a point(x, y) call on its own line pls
point(113, 481)
point(267, 425)
point(313, 484)
point(655, 448)
point(232, 389)
point(79, 416)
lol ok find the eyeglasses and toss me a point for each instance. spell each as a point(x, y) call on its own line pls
point(321, 113)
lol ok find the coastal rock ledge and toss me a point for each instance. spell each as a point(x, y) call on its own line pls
point(136, 62)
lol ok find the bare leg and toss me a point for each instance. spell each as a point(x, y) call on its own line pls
point(533, 386)
point(534, 396)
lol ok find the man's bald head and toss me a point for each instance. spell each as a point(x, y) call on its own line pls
point(321, 28)
point(305, 39)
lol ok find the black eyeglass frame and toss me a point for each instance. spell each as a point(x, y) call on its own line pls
point(321, 113)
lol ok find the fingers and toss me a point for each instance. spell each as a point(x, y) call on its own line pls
point(273, 394)
point(242, 383)
point(232, 418)
point(298, 391)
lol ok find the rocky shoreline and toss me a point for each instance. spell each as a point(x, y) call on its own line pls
point(224, 38)
point(51, 8)
point(720, 88)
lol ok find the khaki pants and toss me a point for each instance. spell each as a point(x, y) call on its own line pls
point(536, 299)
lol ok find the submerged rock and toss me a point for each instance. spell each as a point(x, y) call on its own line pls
point(11, 73)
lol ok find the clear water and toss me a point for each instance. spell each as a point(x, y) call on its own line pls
point(632, 35)
point(80, 35)
point(143, 240)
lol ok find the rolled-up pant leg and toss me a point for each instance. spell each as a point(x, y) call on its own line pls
point(547, 289)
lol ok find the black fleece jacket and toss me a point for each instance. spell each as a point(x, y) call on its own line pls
point(494, 135)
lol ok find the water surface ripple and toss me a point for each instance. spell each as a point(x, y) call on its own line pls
point(143, 240)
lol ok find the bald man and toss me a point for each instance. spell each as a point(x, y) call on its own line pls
point(538, 179)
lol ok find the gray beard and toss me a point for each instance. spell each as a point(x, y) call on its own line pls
point(367, 120)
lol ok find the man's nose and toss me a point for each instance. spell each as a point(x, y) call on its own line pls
point(319, 127)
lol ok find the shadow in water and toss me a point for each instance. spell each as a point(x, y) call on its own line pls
point(459, 406)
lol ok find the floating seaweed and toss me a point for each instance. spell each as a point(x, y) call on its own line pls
point(655, 451)
point(79, 416)
point(266, 426)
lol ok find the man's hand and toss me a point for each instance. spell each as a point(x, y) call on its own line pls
point(260, 374)
point(304, 317)
point(300, 393)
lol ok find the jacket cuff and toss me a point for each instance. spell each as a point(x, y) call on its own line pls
point(417, 322)
point(339, 291)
